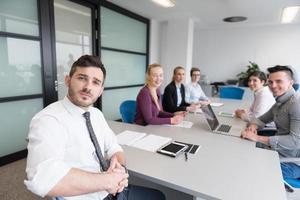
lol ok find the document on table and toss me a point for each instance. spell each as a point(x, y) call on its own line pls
point(183, 124)
point(129, 137)
point(151, 142)
point(215, 104)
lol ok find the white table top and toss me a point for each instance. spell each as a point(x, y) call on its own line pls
point(224, 167)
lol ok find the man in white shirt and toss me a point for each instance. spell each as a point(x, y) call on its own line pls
point(193, 90)
point(62, 160)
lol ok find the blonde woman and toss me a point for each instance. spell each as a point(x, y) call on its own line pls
point(149, 108)
point(174, 95)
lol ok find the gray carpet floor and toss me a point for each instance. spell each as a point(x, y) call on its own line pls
point(12, 182)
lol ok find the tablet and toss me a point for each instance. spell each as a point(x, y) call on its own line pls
point(173, 149)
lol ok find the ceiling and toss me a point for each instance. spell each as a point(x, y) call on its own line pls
point(209, 13)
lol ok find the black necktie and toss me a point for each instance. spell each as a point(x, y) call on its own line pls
point(102, 161)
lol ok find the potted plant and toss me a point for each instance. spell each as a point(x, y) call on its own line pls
point(243, 76)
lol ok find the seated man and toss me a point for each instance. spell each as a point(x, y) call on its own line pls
point(70, 144)
point(286, 115)
point(193, 90)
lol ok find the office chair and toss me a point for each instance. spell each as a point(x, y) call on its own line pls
point(293, 182)
point(128, 110)
point(296, 86)
point(231, 92)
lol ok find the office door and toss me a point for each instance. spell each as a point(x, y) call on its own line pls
point(73, 37)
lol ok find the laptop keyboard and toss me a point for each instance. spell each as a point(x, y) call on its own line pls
point(224, 128)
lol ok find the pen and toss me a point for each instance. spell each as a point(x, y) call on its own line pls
point(186, 156)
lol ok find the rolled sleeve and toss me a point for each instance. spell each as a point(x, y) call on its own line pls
point(45, 165)
point(42, 178)
point(111, 145)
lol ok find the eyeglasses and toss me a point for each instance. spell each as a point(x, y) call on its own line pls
point(195, 74)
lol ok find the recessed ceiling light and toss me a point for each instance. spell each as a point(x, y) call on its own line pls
point(165, 3)
point(289, 14)
point(235, 19)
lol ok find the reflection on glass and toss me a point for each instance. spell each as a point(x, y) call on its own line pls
point(19, 17)
point(122, 32)
point(14, 121)
point(73, 30)
point(20, 69)
point(112, 99)
point(123, 68)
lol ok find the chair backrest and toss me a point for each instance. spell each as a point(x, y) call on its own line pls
point(231, 92)
point(128, 110)
point(296, 86)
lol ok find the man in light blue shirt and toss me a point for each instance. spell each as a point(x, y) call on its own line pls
point(193, 90)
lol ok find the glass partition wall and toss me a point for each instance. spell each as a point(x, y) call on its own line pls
point(21, 87)
point(124, 52)
point(39, 41)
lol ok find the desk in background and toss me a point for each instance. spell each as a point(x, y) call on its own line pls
point(225, 167)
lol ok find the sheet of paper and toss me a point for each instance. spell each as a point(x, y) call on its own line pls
point(183, 124)
point(215, 104)
point(129, 137)
point(151, 142)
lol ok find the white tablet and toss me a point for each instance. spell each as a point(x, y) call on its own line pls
point(173, 149)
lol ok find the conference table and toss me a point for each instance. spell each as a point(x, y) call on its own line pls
point(225, 167)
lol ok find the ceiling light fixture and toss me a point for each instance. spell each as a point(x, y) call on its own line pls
point(165, 3)
point(289, 14)
point(235, 19)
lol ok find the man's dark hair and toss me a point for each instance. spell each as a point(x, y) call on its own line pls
point(88, 61)
point(279, 68)
point(259, 74)
point(194, 69)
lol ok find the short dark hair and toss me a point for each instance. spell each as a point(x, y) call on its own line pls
point(194, 69)
point(279, 68)
point(88, 61)
point(259, 74)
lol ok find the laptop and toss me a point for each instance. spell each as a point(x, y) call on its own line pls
point(215, 125)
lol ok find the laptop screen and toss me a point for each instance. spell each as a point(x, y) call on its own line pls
point(210, 117)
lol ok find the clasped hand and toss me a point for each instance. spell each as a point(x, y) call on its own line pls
point(250, 133)
point(118, 177)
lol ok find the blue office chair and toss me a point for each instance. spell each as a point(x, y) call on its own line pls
point(128, 110)
point(296, 86)
point(231, 92)
point(293, 182)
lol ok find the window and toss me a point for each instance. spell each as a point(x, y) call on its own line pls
point(21, 72)
point(124, 53)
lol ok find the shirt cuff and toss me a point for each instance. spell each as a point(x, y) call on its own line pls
point(114, 150)
point(45, 176)
point(273, 141)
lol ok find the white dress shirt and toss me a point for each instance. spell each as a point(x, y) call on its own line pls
point(263, 101)
point(194, 93)
point(178, 92)
point(59, 140)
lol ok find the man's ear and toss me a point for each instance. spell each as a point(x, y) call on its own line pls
point(67, 80)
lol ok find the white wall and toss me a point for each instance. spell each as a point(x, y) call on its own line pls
point(176, 46)
point(155, 39)
point(223, 53)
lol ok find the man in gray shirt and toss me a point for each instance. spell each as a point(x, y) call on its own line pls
point(286, 115)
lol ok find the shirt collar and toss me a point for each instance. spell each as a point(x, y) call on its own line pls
point(285, 97)
point(72, 108)
point(259, 91)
